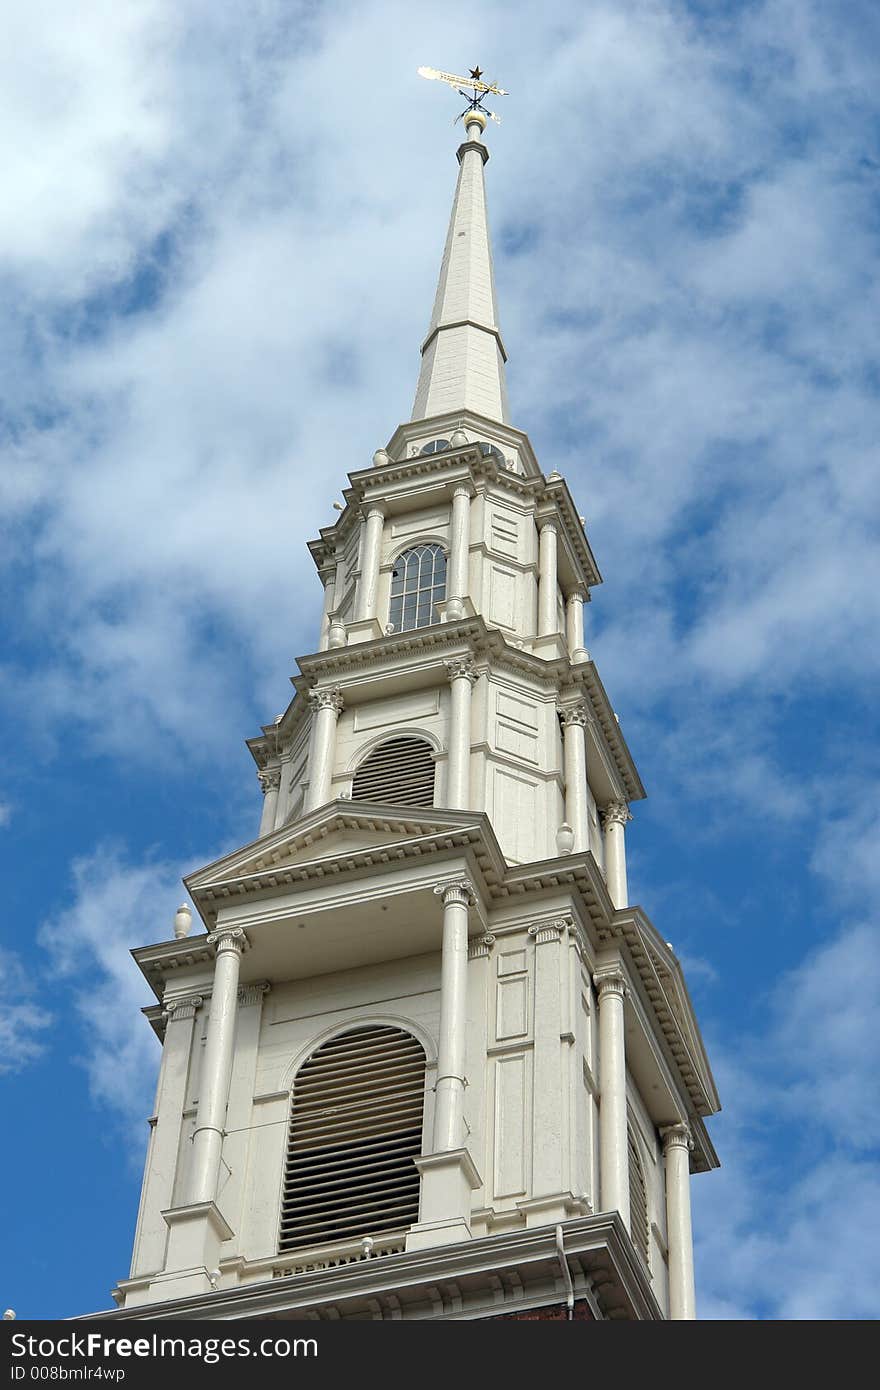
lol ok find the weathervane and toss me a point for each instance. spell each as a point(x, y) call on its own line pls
point(475, 102)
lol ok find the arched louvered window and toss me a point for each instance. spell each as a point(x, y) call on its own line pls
point(417, 584)
point(355, 1127)
point(400, 770)
point(638, 1199)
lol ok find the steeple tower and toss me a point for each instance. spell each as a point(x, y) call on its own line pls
point(463, 354)
point(425, 1059)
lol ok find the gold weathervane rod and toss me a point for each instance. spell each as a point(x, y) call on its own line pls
point(479, 89)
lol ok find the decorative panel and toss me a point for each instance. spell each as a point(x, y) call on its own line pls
point(515, 801)
point(512, 1012)
point(510, 1117)
point(502, 596)
point(504, 533)
point(396, 709)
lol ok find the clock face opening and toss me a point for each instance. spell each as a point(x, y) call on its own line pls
point(436, 446)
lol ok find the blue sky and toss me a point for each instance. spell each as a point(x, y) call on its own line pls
point(219, 241)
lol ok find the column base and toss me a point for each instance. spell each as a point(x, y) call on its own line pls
point(551, 647)
point(364, 630)
point(195, 1235)
point(445, 1206)
point(550, 1210)
point(453, 610)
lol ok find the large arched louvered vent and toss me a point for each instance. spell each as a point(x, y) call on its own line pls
point(401, 770)
point(638, 1199)
point(355, 1126)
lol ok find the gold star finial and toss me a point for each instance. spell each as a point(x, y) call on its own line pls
point(476, 72)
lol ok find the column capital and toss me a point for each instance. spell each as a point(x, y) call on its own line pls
point(374, 509)
point(457, 890)
point(229, 939)
point(252, 994)
point(611, 980)
point(546, 933)
point(481, 947)
point(269, 778)
point(327, 699)
point(462, 667)
point(677, 1136)
point(463, 490)
point(574, 714)
point(578, 593)
point(548, 523)
point(184, 1007)
point(614, 813)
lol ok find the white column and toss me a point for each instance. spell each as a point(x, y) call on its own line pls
point(336, 635)
point(449, 1096)
point(574, 625)
point(270, 781)
point(547, 1154)
point(462, 677)
point(371, 546)
point(547, 579)
point(240, 1116)
point(326, 706)
point(459, 553)
point(161, 1167)
point(613, 1153)
point(677, 1144)
point(216, 1064)
point(614, 817)
point(329, 578)
point(574, 724)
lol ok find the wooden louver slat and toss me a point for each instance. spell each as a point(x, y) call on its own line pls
point(400, 770)
point(638, 1199)
point(355, 1127)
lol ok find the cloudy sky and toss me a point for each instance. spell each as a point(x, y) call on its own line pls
point(219, 236)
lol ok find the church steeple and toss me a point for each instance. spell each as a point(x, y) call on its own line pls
point(425, 1041)
point(463, 354)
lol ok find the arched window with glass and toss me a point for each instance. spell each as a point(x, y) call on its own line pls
point(418, 584)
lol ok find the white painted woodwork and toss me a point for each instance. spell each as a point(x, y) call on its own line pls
point(613, 1157)
point(327, 706)
point(449, 1107)
point(368, 584)
point(217, 1067)
point(574, 625)
point(530, 1078)
point(576, 805)
point(614, 816)
point(459, 553)
point(161, 1166)
point(676, 1151)
point(547, 581)
point(463, 356)
point(461, 678)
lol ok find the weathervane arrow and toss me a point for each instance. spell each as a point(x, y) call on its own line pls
point(479, 88)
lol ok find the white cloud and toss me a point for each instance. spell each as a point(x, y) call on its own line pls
point(22, 1022)
point(116, 905)
point(806, 1086)
point(170, 463)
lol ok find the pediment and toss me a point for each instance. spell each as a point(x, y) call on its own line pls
point(335, 832)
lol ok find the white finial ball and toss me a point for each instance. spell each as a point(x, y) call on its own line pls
point(458, 439)
point(555, 474)
point(565, 838)
point(380, 458)
point(183, 920)
point(474, 118)
point(9, 1315)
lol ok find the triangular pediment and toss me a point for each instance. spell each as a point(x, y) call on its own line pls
point(335, 832)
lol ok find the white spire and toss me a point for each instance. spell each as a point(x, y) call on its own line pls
point(463, 356)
